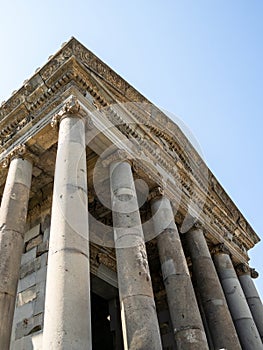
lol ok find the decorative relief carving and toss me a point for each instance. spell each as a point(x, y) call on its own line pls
point(220, 249)
point(56, 62)
point(107, 260)
point(156, 193)
point(19, 151)
point(92, 62)
point(13, 102)
point(242, 269)
point(73, 108)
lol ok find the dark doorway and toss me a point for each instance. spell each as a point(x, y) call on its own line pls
point(102, 338)
point(105, 316)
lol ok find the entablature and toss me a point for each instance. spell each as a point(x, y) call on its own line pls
point(160, 149)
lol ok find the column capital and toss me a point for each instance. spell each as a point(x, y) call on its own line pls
point(120, 155)
point(194, 225)
point(156, 193)
point(20, 151)
point(73, 108)
point(245, 269)
point(220, 249)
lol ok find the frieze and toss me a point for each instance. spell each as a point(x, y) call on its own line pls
point(55, 62)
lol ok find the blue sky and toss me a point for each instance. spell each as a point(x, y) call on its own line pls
point(200, 60)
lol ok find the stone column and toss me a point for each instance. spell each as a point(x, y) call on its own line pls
point(241, 315)
point(67, 319)
point(245, 274)
point(216, 311)
point(139, 319)
point(13, 216)
point(185, 316)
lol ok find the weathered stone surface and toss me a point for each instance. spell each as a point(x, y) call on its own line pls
point(28, 256)
point(243, 320)
point(32, 233)
point(30, 342)
point(30, 267)
point(139, 319)
point(29, 326)
point(214, 304)
point(252, 297)
point(26, 296)
point(34, 242)
point(67, 308)
point(185, 315)
point(12, 224)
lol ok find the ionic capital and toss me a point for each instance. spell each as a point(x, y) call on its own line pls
point(71, 108)
point(156, 193)
point(118, 156)
point(220, 249)
point(20, 151)
point(242, 269)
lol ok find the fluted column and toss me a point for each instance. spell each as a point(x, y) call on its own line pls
point(13, 216)
point(67, 324)
point(216, 311)
point(244, 323)
point(184, 312)
point(139, 320)
point(245, 275)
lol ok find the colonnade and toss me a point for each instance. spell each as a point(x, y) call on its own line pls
point(232, 308)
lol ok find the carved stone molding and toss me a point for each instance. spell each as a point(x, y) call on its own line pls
point(20, 151)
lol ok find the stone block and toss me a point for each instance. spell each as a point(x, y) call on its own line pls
point(29, 326)
point(30, 342)
point(26, 282)
point(34, 242)
point(26, 257)
point(33, 232)
point(42, 248)
point(23, 312)
point(27, 295)
point(41, 274)
point(30, 267)
point(40, 300)
point(44, 258)
point(46, 234)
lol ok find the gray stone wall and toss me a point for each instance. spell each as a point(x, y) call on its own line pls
point(28, 319)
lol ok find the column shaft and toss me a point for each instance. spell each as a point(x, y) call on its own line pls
point(12, 226)
point(244, 323)
point(184, 312)
point(67, 323)
point(139, 319)
point(217, 314)
point(253, 300)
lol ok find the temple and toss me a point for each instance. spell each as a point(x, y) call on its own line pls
point(114, 234)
